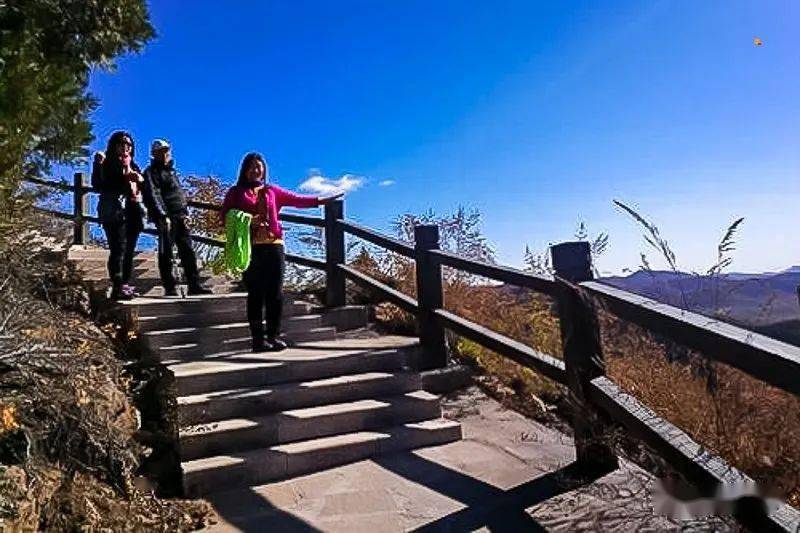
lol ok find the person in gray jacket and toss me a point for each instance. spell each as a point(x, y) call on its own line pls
point(166, 208)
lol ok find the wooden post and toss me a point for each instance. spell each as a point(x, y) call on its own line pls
point(80, 208)
point(583, 354)
point(334, 254)
point(430, 297)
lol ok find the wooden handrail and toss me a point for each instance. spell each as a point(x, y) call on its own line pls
point(309, 262)
point(516, 351)
point(210, 241)
point(54, 213)
point(764, 358)
point(292, 218)
point(65, 216)
point(509, 275)
point(694, 461)
point(51, 183)
point(767, 359)
point(395, 245)
point(403, 301)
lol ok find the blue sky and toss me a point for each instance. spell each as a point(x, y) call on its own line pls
point(537, 113)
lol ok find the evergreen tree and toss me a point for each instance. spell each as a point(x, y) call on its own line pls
point(47, 50)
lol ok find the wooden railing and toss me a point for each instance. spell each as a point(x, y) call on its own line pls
point(599, 402)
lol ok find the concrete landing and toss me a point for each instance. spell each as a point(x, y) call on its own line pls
point(508, 473)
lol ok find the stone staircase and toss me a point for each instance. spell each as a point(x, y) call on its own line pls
point(248, 419)
point(91, 261)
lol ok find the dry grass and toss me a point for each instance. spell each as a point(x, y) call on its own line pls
point(66, 436)
point(522, 316)
point(753, 426)
point(519, 314)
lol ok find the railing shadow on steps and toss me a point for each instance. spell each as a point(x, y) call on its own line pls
point(598, 401)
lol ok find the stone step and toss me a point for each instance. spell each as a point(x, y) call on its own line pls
point(201, 345)
point(150, 276)
point(217, 287)
point(241, 434)
point(236, 349)
point(145, 275)
point(224, 404)
point(138, 260)
point(81, 251)
point(171, 320)
point(259, 466)
point(97, 255)
point(142, 268)
point(345, 318)
point(101, 266)
point(302, 363)
point(155, 306)
point(97, 260)
point(204, 304)
point(209, 336)
point(152, 288)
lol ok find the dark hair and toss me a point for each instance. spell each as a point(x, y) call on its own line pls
point(116, 138)
point(111, 164)
point(249, 158)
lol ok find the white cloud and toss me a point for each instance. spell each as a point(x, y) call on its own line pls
point(386, 183)
point(319, 184)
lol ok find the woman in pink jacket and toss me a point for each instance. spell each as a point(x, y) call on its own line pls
point(264, 277)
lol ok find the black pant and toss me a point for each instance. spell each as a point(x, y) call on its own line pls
point(264, 281)
point(178, 234)
point(122, 237)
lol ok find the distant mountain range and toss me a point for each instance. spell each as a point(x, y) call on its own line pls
point(767, 303)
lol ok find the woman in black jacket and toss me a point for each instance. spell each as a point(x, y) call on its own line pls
point(118, 180)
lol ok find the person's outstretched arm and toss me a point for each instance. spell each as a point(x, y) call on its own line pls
point(292, 199)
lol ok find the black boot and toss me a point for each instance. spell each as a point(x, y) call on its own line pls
point(118, 294)
point(196, 288)
point(260, 346)
point(276, 344)
point(257, 333)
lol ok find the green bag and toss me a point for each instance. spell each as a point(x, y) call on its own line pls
point(237, 241)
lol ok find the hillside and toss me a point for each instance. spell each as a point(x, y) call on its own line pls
point(767, 302)
point(787, 331)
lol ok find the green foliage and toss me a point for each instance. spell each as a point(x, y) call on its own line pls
point(47, 49)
